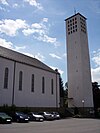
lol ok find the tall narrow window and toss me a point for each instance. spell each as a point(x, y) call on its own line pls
point(43, 85)
point(6, 78)
point(52, 89)
point(32, 83)
point(20, 80)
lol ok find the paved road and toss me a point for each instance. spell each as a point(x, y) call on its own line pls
point(60, 126)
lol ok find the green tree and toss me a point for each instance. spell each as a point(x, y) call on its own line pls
point(66, 85)
point(66, 95)
point(96, 94)
point(61, 91)
point(66, 89)
point(61, 87)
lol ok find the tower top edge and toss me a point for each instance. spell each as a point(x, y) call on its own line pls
point(76, 15)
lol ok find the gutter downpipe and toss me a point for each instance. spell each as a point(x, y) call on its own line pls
point(13, 83)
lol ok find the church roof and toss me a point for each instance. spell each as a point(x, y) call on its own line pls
point(24, 59)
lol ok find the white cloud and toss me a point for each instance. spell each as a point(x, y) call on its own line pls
point(96, 57)
point(59, 70)
point(6, 44)
point(64, 55)
point(10, 27)
point(38, 28)
point(34, 3)
point(96, 71)
point(55, 56)
point(96, 75)
point(45, 20)
point(39, 57)
point(4, 2)
point(58, 57)
point(28, 54)
point(2, 9)
point(94, 52)
point(17, 48)
point(9, 45)
point(15, 5)
point(40, 32)
point(28, 31)
point(37, 25)
point(46, 38)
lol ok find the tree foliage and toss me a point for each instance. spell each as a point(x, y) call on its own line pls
point(96, 94)
point(61, 87)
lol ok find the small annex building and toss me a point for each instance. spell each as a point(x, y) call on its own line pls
point(26, 81)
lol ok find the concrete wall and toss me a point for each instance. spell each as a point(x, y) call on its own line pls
point(78, 65)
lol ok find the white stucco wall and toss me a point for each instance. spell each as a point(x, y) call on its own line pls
point(6, 94)
point(26, 97)
point(36, 98)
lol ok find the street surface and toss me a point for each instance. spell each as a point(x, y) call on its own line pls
point(72, 125)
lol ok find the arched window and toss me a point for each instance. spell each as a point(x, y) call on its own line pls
point(52, 87)
point(43, 85)
point(20, 80)
point(6, 78)
point(32, 83)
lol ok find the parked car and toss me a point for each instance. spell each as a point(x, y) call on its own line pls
point(4, 118)
point(35, 117)
point(47, 115)
point(20, 117)
point(56, 115)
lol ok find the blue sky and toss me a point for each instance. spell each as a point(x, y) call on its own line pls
point(37, 28)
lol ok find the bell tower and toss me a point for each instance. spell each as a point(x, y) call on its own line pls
point(78, 63)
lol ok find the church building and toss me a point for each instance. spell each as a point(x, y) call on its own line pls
point(26, 81)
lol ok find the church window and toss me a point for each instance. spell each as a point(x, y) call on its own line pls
point(6, 78)
point(32, 83)
point(52, 86)
point(43, 85)
point(20, 80)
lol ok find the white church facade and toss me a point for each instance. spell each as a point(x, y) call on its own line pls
point(27, 82)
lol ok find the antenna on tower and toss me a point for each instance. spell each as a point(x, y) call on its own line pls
point(74, 11)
